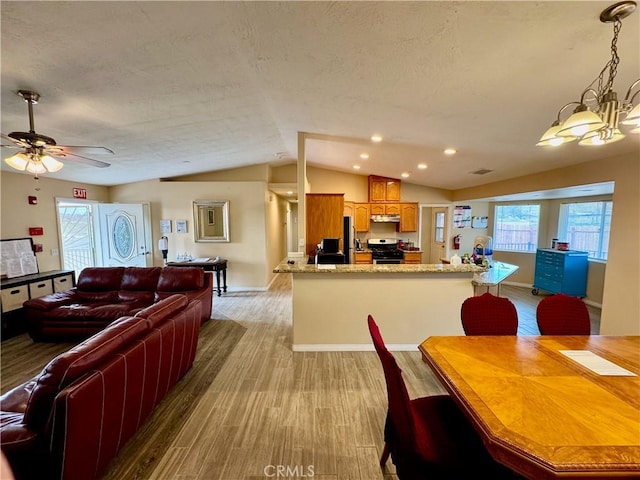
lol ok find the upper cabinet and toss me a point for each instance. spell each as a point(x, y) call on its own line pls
point(348, 209)
point(384, 189)
point(408, 217)
point(385, 209)
point(362, 217)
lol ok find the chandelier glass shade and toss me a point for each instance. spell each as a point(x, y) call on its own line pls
point(33, 162)
point(599, 125)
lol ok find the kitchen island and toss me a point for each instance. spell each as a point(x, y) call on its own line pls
point(409, 303)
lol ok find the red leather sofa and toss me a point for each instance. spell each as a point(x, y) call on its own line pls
point(69, 421)
point(104, 294)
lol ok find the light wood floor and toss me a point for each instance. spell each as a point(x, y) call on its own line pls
point(270, 408)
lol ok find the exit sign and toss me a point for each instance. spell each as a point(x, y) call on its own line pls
point(80, 193)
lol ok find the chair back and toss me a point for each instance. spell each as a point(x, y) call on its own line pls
point(562, 314)
point(489, 315)
point(400, 408)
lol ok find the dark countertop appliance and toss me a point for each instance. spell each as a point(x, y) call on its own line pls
point(385, 251)
point(330, 245)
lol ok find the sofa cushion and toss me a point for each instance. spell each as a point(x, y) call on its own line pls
point(14, 434)
point(100, 279)
point(180, 279)
point(140, 278)
point(71, 365)
point(157, 312)
point(99, 284)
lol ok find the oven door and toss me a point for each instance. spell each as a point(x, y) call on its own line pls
point(387, 261)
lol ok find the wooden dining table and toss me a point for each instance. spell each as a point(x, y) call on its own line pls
point(539, 405)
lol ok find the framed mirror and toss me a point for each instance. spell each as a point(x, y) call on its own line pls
point(211, 220)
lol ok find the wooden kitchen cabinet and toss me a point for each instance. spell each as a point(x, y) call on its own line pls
point(324, 212)
point(361, 258)
point(408, 217)
point(348, 209)
point(383, 189)
point(384, 209)
point(376, 208)
point(412, 257)
point(362, 217)
point(392, 209)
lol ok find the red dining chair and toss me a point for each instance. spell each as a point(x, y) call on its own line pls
point(562, 314)
point(489, 315)
point(429, 437)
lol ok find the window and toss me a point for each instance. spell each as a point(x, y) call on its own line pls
point(516, 228)
point(586, 227)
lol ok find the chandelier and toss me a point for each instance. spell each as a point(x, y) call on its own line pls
point(599, 124)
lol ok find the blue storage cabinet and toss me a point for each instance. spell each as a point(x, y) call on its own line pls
point(560, 271)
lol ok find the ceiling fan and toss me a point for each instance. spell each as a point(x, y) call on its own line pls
point(40, 153)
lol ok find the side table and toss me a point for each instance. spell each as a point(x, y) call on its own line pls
point(219, 265)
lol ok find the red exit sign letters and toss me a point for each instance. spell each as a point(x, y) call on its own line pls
point(80, 193)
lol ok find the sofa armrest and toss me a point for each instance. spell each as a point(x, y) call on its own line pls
point(53, 300)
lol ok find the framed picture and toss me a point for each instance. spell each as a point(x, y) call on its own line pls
point(479, 222)
point(165, 226)
point(181, 226)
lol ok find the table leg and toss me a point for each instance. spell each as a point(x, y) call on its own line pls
point(224, 280)
point(218, 282)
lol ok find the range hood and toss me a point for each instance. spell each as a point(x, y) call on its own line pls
point(385, 218)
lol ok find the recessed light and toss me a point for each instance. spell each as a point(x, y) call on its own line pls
point(364, 156)
point(376, 138)
point(404, 174)
point(449, 151)
point(356, 167)
point(422, 166)
point(289, 192)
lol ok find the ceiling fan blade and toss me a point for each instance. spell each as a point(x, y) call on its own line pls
point(78, 150)
point(14, 141)
point(78, 158)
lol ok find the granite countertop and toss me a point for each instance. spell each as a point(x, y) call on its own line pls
point(302, 267)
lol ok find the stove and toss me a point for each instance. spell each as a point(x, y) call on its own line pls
point(385, 250)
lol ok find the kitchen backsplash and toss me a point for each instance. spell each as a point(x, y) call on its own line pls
point(387, 230)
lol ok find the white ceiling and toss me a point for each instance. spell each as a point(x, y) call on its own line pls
point(176, 88)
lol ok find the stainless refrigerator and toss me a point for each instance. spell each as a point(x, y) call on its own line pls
point(348, 239)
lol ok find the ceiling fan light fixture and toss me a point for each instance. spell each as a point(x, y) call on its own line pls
point(19, 161)
point(36, 167)
point(50, 163)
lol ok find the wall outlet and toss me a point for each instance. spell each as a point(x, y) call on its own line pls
point(301, 242)
point(54, 252)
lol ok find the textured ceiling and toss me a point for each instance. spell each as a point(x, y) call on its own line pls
point(176, 88)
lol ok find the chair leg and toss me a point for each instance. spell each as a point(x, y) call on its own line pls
point(385, 455)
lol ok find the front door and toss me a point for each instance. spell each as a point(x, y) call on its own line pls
point(124, 235)
point(438, 234)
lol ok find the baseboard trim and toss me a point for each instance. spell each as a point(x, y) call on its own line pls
point(354, 347)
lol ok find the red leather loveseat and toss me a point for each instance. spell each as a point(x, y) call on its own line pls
point(73, 418)
point(104, 294)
